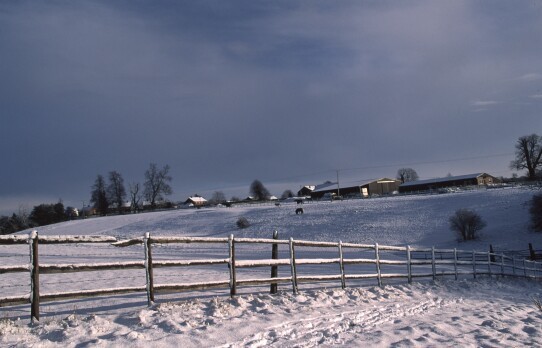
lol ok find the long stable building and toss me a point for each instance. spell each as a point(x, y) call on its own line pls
point(382, 186)
point(476, 179)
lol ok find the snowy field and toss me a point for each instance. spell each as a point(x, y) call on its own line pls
point(481, 312)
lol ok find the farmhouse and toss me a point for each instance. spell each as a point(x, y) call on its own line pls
point(196, 201)
point(476, 179)
point(383, 186)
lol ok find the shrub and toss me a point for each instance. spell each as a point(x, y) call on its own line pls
point(466, 223)
point(536, 212)
point(242, 222)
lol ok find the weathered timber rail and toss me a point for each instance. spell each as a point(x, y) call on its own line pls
point(442, 262)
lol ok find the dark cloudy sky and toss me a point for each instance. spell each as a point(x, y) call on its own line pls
point(287, 92)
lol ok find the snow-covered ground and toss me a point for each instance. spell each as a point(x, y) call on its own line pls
point(481, 312)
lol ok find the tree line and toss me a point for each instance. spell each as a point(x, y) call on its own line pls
point(111, 196)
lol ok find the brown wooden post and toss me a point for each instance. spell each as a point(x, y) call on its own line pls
point(409, 264)
point(474, 263)
point(292, 266)
point(377, 263)
point(492, 253)
point(531, 252)
point(274, 256)
point(34, 278)
point(148, 269)
point(341, 265)
point(233, 285)
point(433, 263)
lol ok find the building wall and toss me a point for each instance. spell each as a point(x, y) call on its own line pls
point(484, 179)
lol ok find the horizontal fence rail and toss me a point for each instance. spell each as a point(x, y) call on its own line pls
point(379, 261)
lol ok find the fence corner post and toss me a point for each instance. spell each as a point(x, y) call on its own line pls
point(274, 256)
point(34, 277)
point(233, 281)
point(532, 253)
point(148, 268)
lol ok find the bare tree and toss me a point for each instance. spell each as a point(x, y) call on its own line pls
point(157, 184)
point(258, 191)
point(99, 195)
point(466, 223)
point(218, 198)
point(135, 196)
point(116, 192)
point(287, 194)
point(407, 174)
point(528, 155)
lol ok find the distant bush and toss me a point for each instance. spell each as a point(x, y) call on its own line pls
point(536, 212)
point(466, 223)
point(242, 222)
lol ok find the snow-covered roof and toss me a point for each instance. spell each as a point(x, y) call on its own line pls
point(325, 187)
point(309, 187)
point(439, 180)
point(197, 199)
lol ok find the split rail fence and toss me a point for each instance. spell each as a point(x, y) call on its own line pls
point(443, 262)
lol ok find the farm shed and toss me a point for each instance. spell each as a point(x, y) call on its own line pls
point(383, 186)
point(476, 179)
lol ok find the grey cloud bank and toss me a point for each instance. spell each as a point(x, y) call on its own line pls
point(286, 92)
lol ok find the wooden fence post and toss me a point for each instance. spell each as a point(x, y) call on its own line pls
point(474, 263)
point(341, 265)
point(489, 263)
point(377, 259)
point(455, 263)
point(531, 252)
point(148, 269)
point(502, 264)
point(34, 278)
point(433, 263)
point(274, 269)
point(492, 252)
point(409, 264)
point(292, 266)
point(231, 247)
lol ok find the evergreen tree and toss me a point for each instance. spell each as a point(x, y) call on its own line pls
point(99, 195)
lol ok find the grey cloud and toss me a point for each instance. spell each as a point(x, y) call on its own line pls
point(227, 92)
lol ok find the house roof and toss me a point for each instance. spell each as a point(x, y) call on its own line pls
point(196, 199)
point(439, 180)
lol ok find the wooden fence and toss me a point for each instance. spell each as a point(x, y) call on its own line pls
point(442, 262)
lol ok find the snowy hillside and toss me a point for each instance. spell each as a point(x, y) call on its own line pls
point(414, 220)
point(482, 312)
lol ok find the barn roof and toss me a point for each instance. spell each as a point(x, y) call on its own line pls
point(333, 185)
point(325, 187)
point(439, 180)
